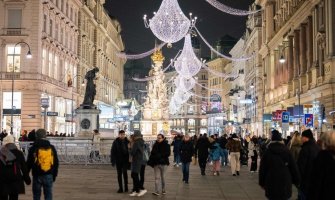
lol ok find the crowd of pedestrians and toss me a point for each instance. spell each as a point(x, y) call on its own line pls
point(299, 160)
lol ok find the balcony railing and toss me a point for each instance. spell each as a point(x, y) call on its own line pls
point(14, 31)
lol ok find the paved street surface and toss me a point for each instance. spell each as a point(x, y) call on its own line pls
point(100, 183)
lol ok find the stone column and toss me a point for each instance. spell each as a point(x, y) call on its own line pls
point(309, 43)
point(269, 20)
point(303, 50)
point(290, 61)
point(296, 53)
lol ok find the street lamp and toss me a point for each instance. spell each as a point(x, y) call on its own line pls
point(28, 56)
point(82, 84)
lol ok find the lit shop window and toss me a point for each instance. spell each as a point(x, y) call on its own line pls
point(13, 56)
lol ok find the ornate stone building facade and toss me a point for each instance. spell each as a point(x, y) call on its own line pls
point(66, 39)
point(301, 33)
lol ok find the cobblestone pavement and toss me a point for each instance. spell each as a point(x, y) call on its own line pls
point(100, 183)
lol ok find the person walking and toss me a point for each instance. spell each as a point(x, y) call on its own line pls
point(13, 170)
point(186, 153)
point(146, 155)
point(234, 146)
point(323, 175)
point(309, 151)
point(295, 145)
point(201, 149)
point(253, 152)
point(120, 158)
point(43, 161)
point(278, 171)
point(136, 152)
point(215, 153)
point(95, 153)
point(223, 142)
point(176, 149)
point(159, 160)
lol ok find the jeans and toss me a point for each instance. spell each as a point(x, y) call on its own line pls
point(177, 158)
point(186, 171)
point(44, 181)
point(136, 182)
point(142, 173)
point(159, 171)
point(224, 158)
point(202, 164)
point(122, 170)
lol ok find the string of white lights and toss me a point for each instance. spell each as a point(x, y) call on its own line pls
point(209, 89)
point(220, 54)
point(139, 56)
point(193, 94)
point(230, 10)
point(151, 77)
point(216, 73)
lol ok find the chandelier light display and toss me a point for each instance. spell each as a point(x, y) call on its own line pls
point(209, 89)
point(184, 84)
point(230, 10)
point(169, 24)
point(181, 96)
point(139, 56)
point(187, 64)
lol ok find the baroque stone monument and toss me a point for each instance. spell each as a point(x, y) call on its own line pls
point(155, 109)
point(87, 113)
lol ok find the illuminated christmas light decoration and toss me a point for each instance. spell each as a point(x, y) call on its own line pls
point(222, 55)
point(187, 64)
point(231, 10)
point(169, 24)
point(214, 72)
point(151, 77)
point(210, 89)
point(184, 84)
point(181, 96)
point(139, 56)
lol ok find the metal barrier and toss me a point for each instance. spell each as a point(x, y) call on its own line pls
point(79, 152)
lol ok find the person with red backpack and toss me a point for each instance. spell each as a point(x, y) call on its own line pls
point(43, 161)
point(13, 170)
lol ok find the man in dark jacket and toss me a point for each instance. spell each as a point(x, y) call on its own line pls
point(43, 161)
point(223, 142)
point(309, 151)
point(120, 158)
point(186, 153)
point(201, 149)
point(278, 170)
point(176, 149)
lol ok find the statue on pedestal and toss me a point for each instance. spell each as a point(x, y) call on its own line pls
point(90, 91)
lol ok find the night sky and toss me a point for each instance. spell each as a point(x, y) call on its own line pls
point(212, 23)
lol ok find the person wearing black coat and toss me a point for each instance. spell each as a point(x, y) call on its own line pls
point(201, 149)
point(120, 158)
point(323, 174)
point(159, 160)
point(12, 177)
point(176, 149)
point(186, 153)
point(309, 151)
point(278, 171)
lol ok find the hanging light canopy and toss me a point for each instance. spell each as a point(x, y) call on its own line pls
point(184, 84)
point(187, 64)
point(169, 24)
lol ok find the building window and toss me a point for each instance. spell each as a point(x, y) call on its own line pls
point(56, 68)
point(14, 18)
point(45, 23)
point(50, 27)
point(13, 55)
point(56, 31)
point(44, 61)
point(50, 65)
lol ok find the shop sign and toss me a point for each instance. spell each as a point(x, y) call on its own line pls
point(52, 114)
point(45, 102)
point(285, 117)
point(309, 120)
point(7, 100)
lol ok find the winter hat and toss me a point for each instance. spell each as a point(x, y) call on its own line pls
point(8, 139)
point(307, 133)
point(41, 133)
point(276, 136)
point(234, 135)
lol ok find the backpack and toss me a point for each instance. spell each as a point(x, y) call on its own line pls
point(44, 159)
point(10, 172)
point(146, 153)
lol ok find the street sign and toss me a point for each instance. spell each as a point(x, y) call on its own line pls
point(45, 102)
point(52, 113)
point(309, 120)
point(285, 117)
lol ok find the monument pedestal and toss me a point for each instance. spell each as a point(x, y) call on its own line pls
point(87, 121)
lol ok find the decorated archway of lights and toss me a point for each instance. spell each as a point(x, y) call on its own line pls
point(170, 25)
